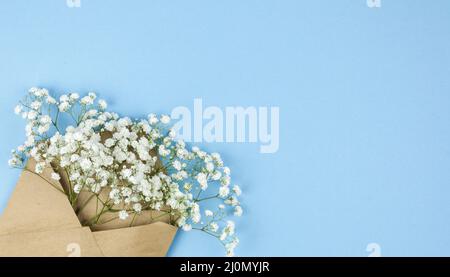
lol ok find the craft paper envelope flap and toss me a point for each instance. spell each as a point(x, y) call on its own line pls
point(39, 221)
point(89, 206)
point(77, 242)
point(36, 205)
point(151, 240)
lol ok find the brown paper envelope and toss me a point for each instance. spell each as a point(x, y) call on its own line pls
point(39, 221)
point(151, 240)
point(110, 220)
point(77, 242)
point(88, 206)
point(36, 206)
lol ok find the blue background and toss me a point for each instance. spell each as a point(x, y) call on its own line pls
point(363, 93)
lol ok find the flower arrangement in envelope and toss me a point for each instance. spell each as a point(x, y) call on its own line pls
point(107, 185)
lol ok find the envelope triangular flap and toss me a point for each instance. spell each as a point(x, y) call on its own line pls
point(75, 242)
point(39, 221)
point(36, 205)
point(88, 206)
point(151, 240)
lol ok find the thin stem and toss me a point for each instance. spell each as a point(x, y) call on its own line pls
point(132, 221)
point(209, 233)
point(109, 220)
point(55, 123)
point(206, 198)
point(86, 202)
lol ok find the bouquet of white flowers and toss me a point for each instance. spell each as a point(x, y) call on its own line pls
point(119, 172)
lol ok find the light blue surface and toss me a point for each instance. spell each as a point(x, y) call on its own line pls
point(364, 97)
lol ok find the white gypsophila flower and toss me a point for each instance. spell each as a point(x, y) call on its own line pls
point(187, 186)
point(85, 164)
point(109, 142)
point(216, 175)
point(126, 173)
point(123, 215)
point(30, 141)
point(231, 246)
point(43, 129)
point(214, 226)
point(73, 96)
point(92, 95)
point(31, 115)
point(64, 106)
point(18, 109)
point(165, 119)
point(74, 176)
point(87, 100)
point(226, 170)
point(64, 98)
point(202, 179)
point(126, 192)
point(137, 207)
point(230, 251)
point(187, 227)
point(13, 162)
point(230, 227)
point(39, 168)
point(232, 201)
point(208, 213)
point(210, 167)
point(55, 176)
point(50, 100)
point(238, 211)
point(39, 92)
point(237, 190)
point(74, 158)
point(91, 113)
point(33, 90)
point(139, 163)
point(152, 119)
point(35, 105)
point(77, 188)
point(102, 104)
point(45, 119)
point(177, 165)
point(196, 216)
point(216, 157)
point(224, 191)
point(223, 236)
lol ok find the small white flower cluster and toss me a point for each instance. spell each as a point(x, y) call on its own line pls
point(138, 162)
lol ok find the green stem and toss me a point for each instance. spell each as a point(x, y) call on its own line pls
point(132, 221)
point(55, 123)
point(85, 203)
point(206, 198)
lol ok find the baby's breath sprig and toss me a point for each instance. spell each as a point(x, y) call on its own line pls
point(138, 163)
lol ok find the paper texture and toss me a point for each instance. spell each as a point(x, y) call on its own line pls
point(77, 242)
point(39, 221)
point(151, 240)
point(88, 205)
point(36, 205)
